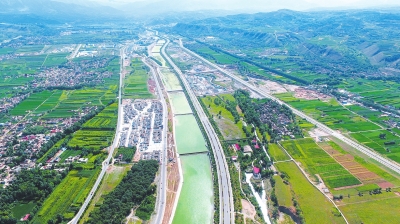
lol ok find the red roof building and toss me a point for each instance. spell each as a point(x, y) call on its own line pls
point(256, 173)
point(237, 146)
point(256, 170)
point(26, 217)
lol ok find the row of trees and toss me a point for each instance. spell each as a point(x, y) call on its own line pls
point(133, 189)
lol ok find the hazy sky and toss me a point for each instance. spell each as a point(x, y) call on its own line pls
point(320, 3)
point(253, 5)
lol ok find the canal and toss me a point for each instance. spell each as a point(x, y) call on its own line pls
point(196, 201)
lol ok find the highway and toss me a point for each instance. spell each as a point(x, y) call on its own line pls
point(162, 187)
point(369, 152)
point(224, 182)
point(106, 162)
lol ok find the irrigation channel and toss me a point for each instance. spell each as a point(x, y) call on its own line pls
point(195, 203)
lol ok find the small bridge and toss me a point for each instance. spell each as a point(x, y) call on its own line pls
point(192, 153)
point(190, 113)
point(175, 91)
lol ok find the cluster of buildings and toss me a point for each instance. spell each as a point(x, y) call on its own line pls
point(14, 136)
point(143, 127)
point(279, 119)
point(203, 84)
point(202, 79)
point(73, 74)
point(8, 103)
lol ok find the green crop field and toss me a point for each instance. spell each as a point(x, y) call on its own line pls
point(245, 68)
point(30, 48)
point(372, 139)
point(316, 208)
point(330, 113)
point(135, 84)
point(91, 139)
point(283, 192)
point(379, 91)
point(372, 209)
point(72, 101)
point(98, 132)
point(31, 103)
point(67, 196)
point(105, 120)
point(55, 59)
point(317, 161)
point(50, 103)
point(277, 153)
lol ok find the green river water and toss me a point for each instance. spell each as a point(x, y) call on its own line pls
point(180, 104)
point(195, 203)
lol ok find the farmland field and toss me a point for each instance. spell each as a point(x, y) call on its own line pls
point(330, 113)
point(30, 104)
point(277, 153)
point(96, 133)
point(317, 161)
point(135, 84)
point(91, 139)
point(283, 192)
point(105, 120)
point(67, 196)
point(316, 208)
point(372, 209)
point(373, 140)
point(224, 59)
point(55, 59)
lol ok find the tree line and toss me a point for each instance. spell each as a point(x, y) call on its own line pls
point(131, 192)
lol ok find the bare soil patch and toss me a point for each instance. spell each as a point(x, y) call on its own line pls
point(350, 164)
point(358, 170)
point(344, 158)
point(386, 184)
point(248, 210)
point(308, 94)
point(366, 176)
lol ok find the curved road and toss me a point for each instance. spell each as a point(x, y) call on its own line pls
point(372, 154)
point(225, 189)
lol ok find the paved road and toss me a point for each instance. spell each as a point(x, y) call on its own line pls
point(369, 152)
point(106, 162)
point(225, 189)
point(162, 187)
